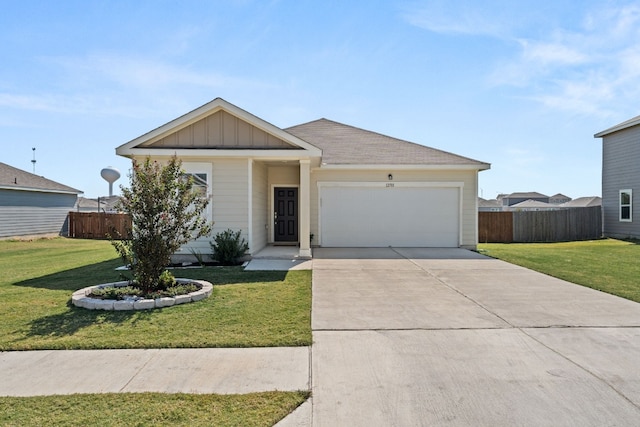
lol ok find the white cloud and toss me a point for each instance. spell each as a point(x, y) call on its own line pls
point(592, 70)
point(110, 84)
point(455, 18)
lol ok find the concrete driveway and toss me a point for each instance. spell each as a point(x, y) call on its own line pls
point(448, 337)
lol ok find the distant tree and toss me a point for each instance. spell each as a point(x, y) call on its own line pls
point(166, 212)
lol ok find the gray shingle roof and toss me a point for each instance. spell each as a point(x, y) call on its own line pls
point(527, 195)
point(14, 178)
point(348, 145)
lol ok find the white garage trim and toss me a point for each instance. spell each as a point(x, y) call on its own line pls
point(458, 186)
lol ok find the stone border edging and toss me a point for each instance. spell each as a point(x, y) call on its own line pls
point(80, 298)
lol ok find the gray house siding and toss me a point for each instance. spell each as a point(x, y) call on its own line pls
point(621, 171)
point(24, 213)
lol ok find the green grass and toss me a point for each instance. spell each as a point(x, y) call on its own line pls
point(246, 309)
point(150, 409)
point(607, 265)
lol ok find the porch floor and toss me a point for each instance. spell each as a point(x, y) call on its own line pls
point(279, 258)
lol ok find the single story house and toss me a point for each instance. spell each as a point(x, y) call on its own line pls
point(515, 198)
point(320, 183)
point(33, 205)
point(620, 177)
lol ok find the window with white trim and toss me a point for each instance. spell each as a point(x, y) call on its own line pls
point(200, 184)
point(625, 203)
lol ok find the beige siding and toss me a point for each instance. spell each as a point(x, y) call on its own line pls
point(468, 178)
point(229, 203)
point(221, 130)
point(260, 207)
point(231, 195)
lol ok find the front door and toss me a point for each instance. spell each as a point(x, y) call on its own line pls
point(285, 201)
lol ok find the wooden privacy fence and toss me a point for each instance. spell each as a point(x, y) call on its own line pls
point(98, 225)
point(540, 226)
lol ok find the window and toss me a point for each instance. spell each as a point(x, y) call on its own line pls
point(625, 205)
point(199, 183)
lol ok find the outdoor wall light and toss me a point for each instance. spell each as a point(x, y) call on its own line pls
point(390, 177)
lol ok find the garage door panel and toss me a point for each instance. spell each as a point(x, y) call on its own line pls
point(397, 216)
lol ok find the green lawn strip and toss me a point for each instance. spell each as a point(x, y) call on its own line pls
point(607, 265)
point(150, 409)
point(247, 308)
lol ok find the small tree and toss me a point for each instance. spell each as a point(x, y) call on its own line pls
point(165, 213)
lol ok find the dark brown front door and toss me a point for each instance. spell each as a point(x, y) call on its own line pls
point(286, 214)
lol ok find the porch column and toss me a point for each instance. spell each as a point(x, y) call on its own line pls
point(304, 210)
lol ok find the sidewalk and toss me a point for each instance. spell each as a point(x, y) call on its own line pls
point(206, 370)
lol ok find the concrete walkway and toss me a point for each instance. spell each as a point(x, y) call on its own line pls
point(203, 370)
point(439, 337)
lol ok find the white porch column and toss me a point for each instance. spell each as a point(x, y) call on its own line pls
point(304, 210)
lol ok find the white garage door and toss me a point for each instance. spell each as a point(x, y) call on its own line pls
point(375, 215)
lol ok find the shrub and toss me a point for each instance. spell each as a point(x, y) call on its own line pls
point(166, 280)
point(115, 292)
point(228, 246)
point(165, 214)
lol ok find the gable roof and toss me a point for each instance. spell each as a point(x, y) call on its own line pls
point(527, 195)
point(583, 202)
point(484, 203)
point(533, 204)
point(143, 145)
point(620, 126)
point(16, 179)
point(344, 145)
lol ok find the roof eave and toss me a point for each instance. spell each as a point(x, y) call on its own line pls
point(40, 190)
point(219, 153)
point(621, 126)
point(477, 167)
point(208, 109)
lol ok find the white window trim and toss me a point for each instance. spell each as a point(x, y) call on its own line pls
point(206, 168)
point(630, 205)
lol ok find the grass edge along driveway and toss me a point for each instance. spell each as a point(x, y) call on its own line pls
point(607, 265)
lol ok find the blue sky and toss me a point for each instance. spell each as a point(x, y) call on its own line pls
point(522, 85)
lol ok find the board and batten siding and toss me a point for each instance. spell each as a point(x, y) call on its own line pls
point(469, 219)
point(620, 157)
point(259, 207)
point(221, 130)
point(25, 213)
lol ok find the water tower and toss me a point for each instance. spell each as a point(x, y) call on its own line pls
point(110, 175)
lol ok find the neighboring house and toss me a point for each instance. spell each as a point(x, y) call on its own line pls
point(559, 199)
point(106, 204)
point(620, 177)
point(515, 198)
point(33, 205)
point(90, 205)
point(336, 184)
point(489, 205)
point(583, 202)
point(532, 205)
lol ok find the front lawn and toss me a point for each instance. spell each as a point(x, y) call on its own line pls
point(608, 265)
point(150, 409)
point(246, 309)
